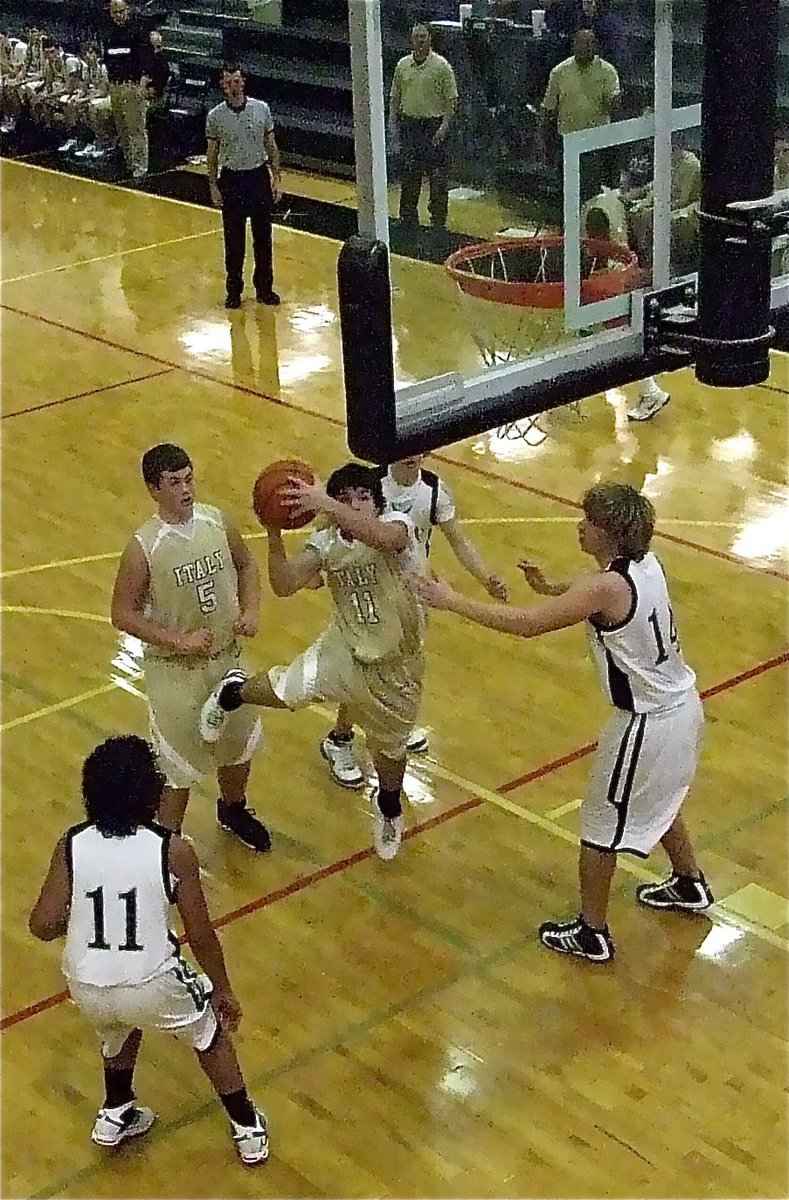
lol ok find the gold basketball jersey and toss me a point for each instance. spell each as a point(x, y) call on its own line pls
point(376, 612)
point(193, 580)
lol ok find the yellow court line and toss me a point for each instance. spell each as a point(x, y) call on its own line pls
point(84, 262)
point(59, 562)
point(168, 199)
point(75, 562)
point(570, 806)
point(61, 704)
point(718, 910)
point(55, 612)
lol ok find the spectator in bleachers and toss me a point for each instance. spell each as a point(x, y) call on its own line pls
point(90, 109)
point(12, 74)
point(423, 101)
point(34, 55)
point(685, 197)
point(126, 47)
point(157, 69)
point(583, 92)
point(45, 100)
point(599, 16)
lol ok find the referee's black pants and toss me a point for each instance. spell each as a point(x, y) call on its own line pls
point(247, 194)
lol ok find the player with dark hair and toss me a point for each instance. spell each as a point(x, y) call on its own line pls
point(409, 487)
point(647, 755)
point(188, 587)
point(370, 657)
point(109, 888)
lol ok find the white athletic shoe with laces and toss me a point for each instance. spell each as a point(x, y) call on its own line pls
point(213, 718)
point(115, 1125)
point(387, 832)
point(343, 766)
point(648, 405)
point(252, 1141)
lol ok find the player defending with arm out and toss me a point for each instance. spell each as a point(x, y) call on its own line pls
point(647, 755)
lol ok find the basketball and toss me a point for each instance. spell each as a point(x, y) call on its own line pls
point(267, 494)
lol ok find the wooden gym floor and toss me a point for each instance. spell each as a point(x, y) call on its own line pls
point(403, 1029)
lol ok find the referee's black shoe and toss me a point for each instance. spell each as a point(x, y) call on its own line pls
point(268, 298)
point(232, 301)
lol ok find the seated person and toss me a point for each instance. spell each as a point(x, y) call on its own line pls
point(89, 109)
point(685, 197)
point(12, 74)
point(54, 82)
point(610, 204)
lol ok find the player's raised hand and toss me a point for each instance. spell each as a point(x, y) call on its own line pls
point(301, 497)
point(199, 642)
point(497, 588)
point(534, 577)
point(227, 1009)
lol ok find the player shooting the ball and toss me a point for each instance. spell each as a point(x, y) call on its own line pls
point(370, 657)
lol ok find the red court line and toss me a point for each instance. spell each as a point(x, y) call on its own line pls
point(337, 422)
point(107, 387)
point(301, 882)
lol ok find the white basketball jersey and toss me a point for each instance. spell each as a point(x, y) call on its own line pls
point(427, 502)
point(640, 660)
point(121, 892)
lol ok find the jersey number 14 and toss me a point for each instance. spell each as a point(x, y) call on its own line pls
point(662, 653)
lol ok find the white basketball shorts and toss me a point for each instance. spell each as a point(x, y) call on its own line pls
point(644, 765)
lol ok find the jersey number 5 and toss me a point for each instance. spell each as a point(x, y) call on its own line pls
point(99, 940)
point(662, 653)
point(205, 596)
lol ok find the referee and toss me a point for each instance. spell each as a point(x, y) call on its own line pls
point(240, 136)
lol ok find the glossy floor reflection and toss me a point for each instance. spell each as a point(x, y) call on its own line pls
point(403, 1029)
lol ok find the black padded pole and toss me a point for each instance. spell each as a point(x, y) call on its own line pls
point(738, 122)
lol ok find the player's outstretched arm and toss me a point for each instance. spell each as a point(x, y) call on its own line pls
point(469, 557)
point(588, 596)
point(191, 903)
point(49, 918)
point(289, 575)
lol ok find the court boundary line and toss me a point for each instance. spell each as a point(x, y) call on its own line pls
point(85, 262)
point(107, 387)
point(480, 795)
point(472, 468)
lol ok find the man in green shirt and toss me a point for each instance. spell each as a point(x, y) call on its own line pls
point(423, 102)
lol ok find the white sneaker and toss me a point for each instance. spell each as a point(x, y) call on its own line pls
point(85, 152)
point(213, 718)
point(71, 144)
point(387, 832)
point(115, 1125)
point(343, 766)
point(251, 1142)
point(96, 152)
point(648, 405)
point(417, 742)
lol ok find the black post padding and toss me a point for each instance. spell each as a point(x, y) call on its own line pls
point(738, 124)
point(368, 365)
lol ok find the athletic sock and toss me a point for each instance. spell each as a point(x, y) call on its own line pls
point(230, 697)
point(389, 803)
point(118, 1087)
point(239, 1108)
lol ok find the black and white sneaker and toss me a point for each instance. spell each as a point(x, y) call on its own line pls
point(115, 1125)
point(343, 766)
point(576, 937)
point(247, 827)
point(252, 1145)
point(679, 893)
point(213, 717)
